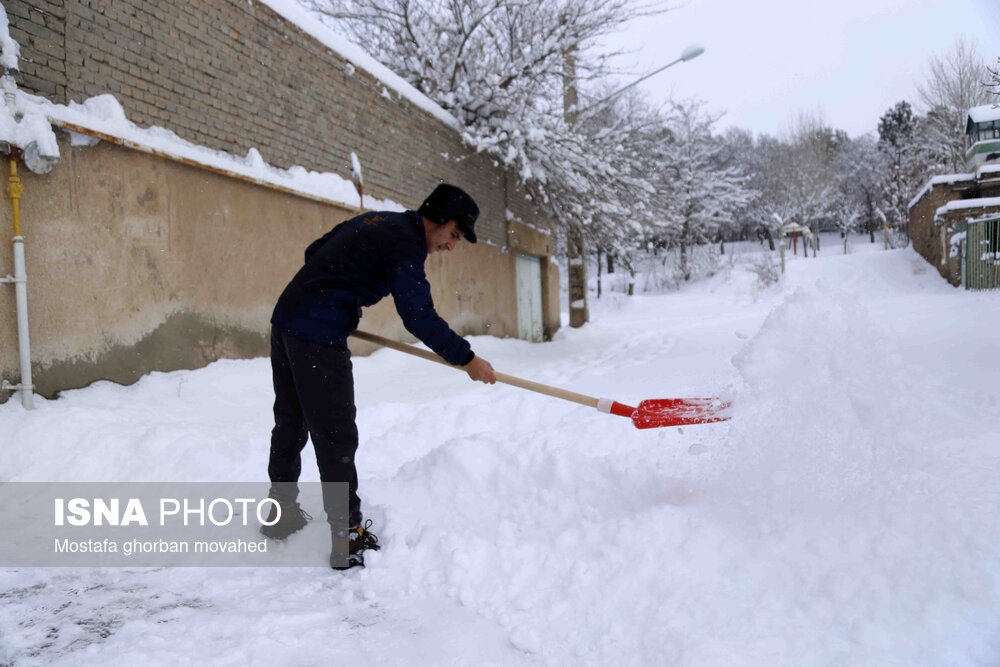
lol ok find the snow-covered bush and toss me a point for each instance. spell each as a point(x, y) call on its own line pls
point(766, 270)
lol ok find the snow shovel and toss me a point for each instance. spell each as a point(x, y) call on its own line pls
point(651, 413)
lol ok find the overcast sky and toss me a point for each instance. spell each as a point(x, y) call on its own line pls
point(767, 59)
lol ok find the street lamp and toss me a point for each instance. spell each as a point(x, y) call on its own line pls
point(690, 53)
point(577, 270)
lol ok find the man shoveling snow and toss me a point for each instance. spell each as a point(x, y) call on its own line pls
point(355, 265)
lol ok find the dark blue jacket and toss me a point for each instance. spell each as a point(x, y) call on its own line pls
point(357, 263)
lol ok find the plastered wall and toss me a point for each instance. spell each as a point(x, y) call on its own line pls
point(138, 263)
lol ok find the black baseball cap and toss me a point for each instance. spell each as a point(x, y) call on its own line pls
point(450, 202)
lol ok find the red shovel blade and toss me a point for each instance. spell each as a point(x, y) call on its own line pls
point(660, 412)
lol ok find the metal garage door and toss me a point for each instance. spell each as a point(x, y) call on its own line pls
point(529, 298)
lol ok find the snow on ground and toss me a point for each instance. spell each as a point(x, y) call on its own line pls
point(845, 516)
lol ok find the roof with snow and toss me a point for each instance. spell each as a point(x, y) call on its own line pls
point(968, 204)
point(941, 179)
point(982, 114)
point(987, 170)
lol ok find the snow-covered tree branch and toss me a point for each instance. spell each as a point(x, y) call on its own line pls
point(904, 164)
point(702, 193)
point(499, 66)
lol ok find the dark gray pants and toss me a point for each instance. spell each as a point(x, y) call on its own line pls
point(314, 396)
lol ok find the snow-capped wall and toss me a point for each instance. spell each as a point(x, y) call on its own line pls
point(232, 75)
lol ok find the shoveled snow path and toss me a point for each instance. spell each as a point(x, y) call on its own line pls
point(847, 514)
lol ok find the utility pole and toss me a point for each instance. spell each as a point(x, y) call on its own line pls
point(575, 249)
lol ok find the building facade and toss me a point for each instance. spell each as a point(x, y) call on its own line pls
point(955, 219)
point(141, 260)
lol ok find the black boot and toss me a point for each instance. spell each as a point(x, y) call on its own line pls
point(293, 519)
point(361, 540)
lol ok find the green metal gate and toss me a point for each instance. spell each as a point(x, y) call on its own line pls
point(981, 268)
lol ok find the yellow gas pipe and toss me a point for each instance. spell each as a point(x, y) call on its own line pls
point(14, 191)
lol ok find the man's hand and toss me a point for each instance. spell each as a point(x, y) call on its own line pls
point(481, 370)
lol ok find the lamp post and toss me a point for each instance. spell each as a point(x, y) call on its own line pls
point(690, 53)
point(575, 247)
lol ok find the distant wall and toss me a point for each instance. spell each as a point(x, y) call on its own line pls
point(926, 234)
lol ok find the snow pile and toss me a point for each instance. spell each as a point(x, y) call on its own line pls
point(801, 359)
point(103, 109)
point(864, 487)
point(955, 243)
point(104, 114)
point(27, 130)
point(845, 516)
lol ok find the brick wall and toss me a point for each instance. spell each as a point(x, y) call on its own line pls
point(232, 74)
point(925, 232)
point(922, 229)
point(40, 28)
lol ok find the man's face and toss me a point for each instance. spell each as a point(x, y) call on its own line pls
point(443, 237)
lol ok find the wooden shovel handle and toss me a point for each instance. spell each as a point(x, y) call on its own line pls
point(537, 387)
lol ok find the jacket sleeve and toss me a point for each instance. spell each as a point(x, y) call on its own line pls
point(412, 294)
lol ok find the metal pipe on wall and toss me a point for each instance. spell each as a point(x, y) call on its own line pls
point(21, 145)
point(20, 281)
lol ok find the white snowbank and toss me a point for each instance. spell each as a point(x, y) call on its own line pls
point(845, 516)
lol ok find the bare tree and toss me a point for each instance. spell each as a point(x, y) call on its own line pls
point(993, 82)
point(955, 82)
